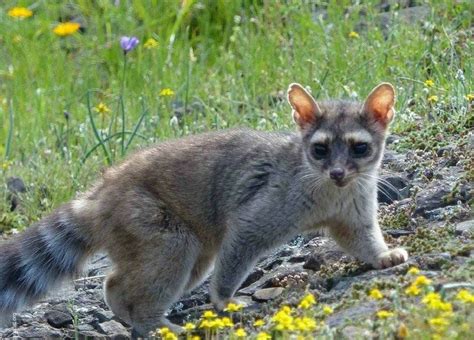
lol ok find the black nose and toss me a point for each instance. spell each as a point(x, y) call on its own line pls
point(337, 174)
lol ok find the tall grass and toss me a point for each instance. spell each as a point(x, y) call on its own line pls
point(228, 62)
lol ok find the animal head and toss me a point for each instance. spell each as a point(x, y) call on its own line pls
point(343, 140)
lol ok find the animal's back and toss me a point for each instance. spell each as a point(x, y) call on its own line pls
point(195, 177)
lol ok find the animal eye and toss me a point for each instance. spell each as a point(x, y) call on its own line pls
point(320, 151)
point(360, 149)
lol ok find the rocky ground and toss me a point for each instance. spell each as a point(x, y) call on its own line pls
point(424, 207)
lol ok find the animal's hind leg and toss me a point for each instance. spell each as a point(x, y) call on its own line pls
point(201, 268)
point(150, 278)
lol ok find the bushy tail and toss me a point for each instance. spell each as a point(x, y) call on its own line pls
point(32, 262)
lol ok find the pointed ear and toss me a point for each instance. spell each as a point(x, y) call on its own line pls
point(379, 104)
point(305, 108)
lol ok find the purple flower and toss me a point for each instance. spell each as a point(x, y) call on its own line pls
point(128, 43)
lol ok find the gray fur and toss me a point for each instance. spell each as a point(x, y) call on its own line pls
point(169, 213)
point(33, 262)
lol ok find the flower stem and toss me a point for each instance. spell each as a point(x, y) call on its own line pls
point(121, 103)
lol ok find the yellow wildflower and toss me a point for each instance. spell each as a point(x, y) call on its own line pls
point(412, 290)
point(305, 324)
point(327, 310)
point(17, 39)
point(283, 319)
point(6, 165)
point(164, 330)
point(433, 99)
point(376, 294)
point(240, 333)
point(259, 323)
point(227, 322)
point(263, 336)
point(188, 327)
point(166, 92)
point(429, 82)
point(422, 281)
point(233, 307)
point(470, 97)
point(384, 314)
point(209, 314)
point(102, 109)
point(66, 28)
point(169, 336)
point(402, 331)
point(354, 35)
point(196, 337)
point(465, 296)
point(216, 323)
point(413, 271)
point(439, 324)
point(150, 43)
point(20, 12)
point(434, 301)
point(206, 324)
point(430, 297)
point(307, 301)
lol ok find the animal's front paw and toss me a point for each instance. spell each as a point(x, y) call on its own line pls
point(220, 304)
point(391, 258)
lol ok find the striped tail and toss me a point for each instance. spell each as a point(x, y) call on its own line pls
point(37, 259)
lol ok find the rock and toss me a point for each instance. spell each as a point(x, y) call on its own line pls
point(23, 319)
point(113, 328)
point(392, 188)
point(410, 15)
point(103, 315)
point(360, 311)
point(267, 293)
point(58, 319)
point(268, 279)
point(15, 186)
point(353, 332)
point(85, 328)
point(398, 232)
point(91, 335)
point(431, 199)
point(392, 138)
point(254, 276)
point(325, 257)
point(457, 285)
point(465, 227)
point(445, 150)
point(35, 331)
point(98, 265)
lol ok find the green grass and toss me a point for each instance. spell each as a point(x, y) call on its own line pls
point(229, 64)
point(245, 54)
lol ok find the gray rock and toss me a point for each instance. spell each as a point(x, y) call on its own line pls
point(254, 276)
point(113, 328)
point(361, 311)
point(465, 227)
point(267, 293)
point(432, 199)
point(269, 278)
point(36, 331)
point(15, 186)
point(444, 150)
point(322, 257)
point(392, 188)
point(353, 332)
point(457, 285)
point(103, 315)
point(58, 319)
